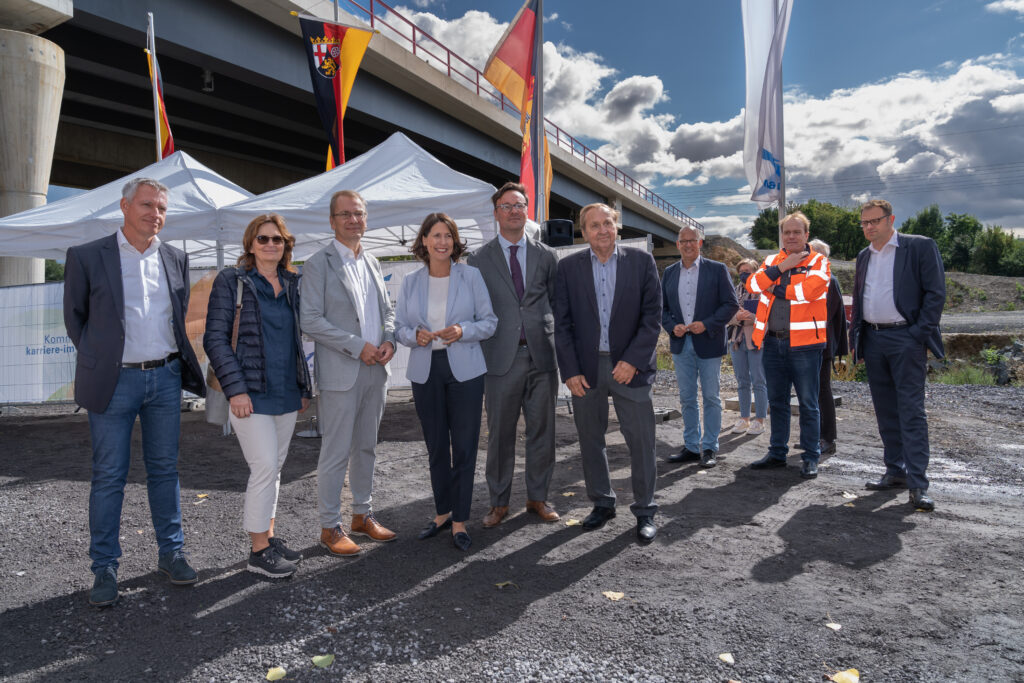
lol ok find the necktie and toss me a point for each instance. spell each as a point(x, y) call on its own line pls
point(517, 272)
point(517, 281)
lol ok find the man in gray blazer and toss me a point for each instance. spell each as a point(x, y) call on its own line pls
point(346, 311)
point(125, 299)
point(522, 375)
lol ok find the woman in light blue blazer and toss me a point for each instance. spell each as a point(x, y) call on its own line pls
point(443, 313)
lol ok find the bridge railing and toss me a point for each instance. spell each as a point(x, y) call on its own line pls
point(392, 24)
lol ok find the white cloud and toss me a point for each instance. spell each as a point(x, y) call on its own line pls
point(1006, 6)
point(736, 226)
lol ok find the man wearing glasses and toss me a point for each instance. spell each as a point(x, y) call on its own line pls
point(521, 370)
point(345, 309)
point(698, 300)
point(898, 295)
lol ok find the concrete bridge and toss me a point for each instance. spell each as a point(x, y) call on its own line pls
point(239, 99)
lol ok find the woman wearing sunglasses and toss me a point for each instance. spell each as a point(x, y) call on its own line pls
point(264, 376)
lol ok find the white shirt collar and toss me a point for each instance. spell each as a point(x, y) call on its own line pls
point(123, 242)
point(505, 244)
point(345, 253)
point(893, 240)
point(696, 263)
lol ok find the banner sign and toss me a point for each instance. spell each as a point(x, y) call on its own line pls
point(37, 359)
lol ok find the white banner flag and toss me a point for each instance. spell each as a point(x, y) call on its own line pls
point(765, 24)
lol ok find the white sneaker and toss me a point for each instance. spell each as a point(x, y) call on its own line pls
point(740, 426)
point(756, 427)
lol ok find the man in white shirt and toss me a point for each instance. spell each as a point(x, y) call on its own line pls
point(346, 311)
point(125, 299)
point(898, 295)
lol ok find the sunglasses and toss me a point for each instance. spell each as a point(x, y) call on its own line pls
point(276, 239)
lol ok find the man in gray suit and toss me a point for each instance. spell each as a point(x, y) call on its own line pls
point(346, 311)
point(521, 371)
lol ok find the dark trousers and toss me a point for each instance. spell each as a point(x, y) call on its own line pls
point(826, 403)
point(449, 412)
point(896, 365)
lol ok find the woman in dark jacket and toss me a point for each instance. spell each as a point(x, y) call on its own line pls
point(265, 377)
point(837, 347)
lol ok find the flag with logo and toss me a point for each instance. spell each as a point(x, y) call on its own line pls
point(513, 68)
point(333, 52)
point(164, 139)
point(765, 25)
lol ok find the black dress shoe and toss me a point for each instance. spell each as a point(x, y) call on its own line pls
point(461, 540)
point(827, 447)
point(685, 455)
point(809, 470)
point(920, 500)
point(645, 529)
point(432, 529)
point(888, 481)
point(767, 462)
point(597, 518)
point(707, 459)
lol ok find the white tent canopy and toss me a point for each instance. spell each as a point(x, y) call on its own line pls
point(196, 193)
point(401, 184)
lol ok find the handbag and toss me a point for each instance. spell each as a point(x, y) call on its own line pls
point(216, 401)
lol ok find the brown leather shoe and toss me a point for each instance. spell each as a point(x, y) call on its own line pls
point(337, 542)
point(366, 525)
point(495, 515)
point(541, 508)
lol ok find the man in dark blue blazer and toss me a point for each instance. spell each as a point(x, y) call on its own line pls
point(607, 310)
point(898, 295)
point(698, 299)
point(125, 299)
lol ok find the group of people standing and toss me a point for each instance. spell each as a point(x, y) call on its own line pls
point(495, 332)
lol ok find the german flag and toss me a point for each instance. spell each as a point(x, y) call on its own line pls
point(333, 52)
point(165, 141)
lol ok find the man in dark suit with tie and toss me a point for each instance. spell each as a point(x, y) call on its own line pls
point(898, 295)
point(698, 299)
point(125, 299)
point(607, 316)
point(522, 377)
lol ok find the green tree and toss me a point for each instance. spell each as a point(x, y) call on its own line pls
point(1011, 263)
point(927, 222)
point(765, 231)
point(837, 226)
point(989, 249)
point(54, 271)
point(962, 231)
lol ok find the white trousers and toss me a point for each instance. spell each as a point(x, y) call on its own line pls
point(264, 440)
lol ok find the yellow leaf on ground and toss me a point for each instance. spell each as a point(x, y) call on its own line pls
point(506, 584)
point(323, 661)
point(848, 495)
point(202, 495)
point(702, 471)
point(848, 505)
point(614, 596)
point(848, 676)
point(276, 673)
point(572, 522)
point(569, 493)
point(832, 625)
point(727, 658)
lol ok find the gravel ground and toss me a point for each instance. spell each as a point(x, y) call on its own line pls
point(750, 563)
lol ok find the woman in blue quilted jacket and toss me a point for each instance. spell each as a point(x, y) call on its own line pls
point(264, 376)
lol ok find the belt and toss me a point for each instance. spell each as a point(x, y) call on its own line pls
point(150, 364)
point(778, 334)
point(884, 326)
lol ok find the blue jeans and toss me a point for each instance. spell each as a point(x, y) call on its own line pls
point(690, 367)
point(155, 397)
point(799, 368)
point(748, 368)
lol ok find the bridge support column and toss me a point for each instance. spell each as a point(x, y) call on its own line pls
point(32, 83)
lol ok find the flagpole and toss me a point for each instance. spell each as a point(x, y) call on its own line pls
point(537, 120)
point(782, 137)
point(151, 39)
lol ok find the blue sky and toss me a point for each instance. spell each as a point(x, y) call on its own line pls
point(919, 101)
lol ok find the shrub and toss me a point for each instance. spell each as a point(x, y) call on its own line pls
point(965, 374)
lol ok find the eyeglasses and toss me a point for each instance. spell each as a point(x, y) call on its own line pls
point(508, 208)
point(688, 241)
point(345, 215)
point(276, 239)
point(871, 222)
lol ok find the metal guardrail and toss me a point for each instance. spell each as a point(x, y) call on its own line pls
point(384, 18)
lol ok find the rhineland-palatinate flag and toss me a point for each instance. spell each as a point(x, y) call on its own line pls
point(334, 52)
point(164, 139)
point(513, 69)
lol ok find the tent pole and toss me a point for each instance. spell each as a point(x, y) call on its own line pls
point(220, 255)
